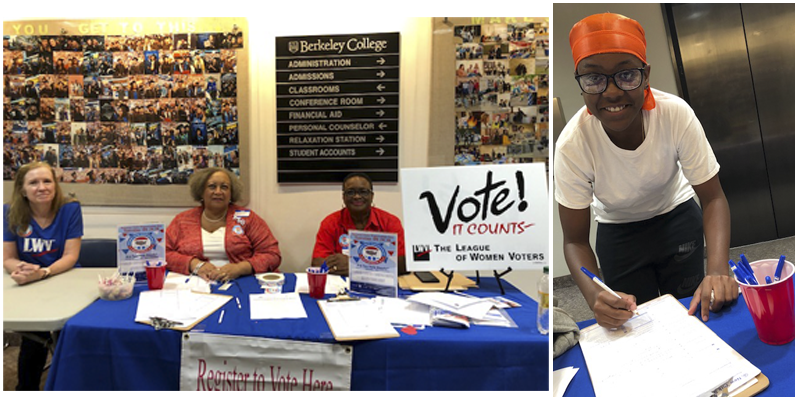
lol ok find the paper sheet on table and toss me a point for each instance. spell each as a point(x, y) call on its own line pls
point(183, 306)
point(356, 320)
point(176, 281)
point(475, 308)
point(276, 306)
point(402, 312)
point(663, 349)
point(333, 284)
point(496, 317)
point(562, 379)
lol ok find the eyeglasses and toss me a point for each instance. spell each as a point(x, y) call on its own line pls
point(360, 192)
point(595, 83)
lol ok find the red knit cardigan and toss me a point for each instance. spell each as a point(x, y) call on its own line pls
point(247, 238)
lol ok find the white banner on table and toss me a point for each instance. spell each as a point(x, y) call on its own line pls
point(240, 363)
point(487, 217)
point(373, 263)
point(139, 244)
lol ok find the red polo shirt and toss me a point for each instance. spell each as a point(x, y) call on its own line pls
point(334, 226)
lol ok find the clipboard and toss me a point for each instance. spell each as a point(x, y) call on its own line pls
point(338, 325)
point(761, 381)
point(411, 282)
point(206, 314)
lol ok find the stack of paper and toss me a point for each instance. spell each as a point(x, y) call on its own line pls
point(183, 306)
point(356, 320)
point(276, 306)
point(662, 349)
point(471, 307)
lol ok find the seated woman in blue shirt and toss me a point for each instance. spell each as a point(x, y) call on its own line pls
point(42, 233)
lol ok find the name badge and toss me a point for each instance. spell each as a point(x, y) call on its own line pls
point(242, 213)
point(237, 229)
point(344, 243)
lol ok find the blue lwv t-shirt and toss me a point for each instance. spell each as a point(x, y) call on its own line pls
point(46, 246)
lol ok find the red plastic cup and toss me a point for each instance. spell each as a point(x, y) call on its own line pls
point(772, 306)
point(316, 282)
point(155, 276)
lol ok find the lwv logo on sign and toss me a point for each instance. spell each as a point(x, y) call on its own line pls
point(294, 46)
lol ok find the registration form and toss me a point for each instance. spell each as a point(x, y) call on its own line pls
point(662, 350)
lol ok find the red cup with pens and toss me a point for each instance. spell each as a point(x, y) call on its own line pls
point(317, 278)
point(155, 274)
point(768, 290)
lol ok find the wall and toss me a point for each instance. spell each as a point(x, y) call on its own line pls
point(294, 212)
point(662, 76)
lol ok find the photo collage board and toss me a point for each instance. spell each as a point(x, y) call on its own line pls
point(137, 108)
point(501, 92)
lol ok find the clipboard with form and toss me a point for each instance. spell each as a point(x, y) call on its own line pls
point(665, 350)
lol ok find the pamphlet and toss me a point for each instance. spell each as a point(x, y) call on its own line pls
point(138, 244)
point(373, 263)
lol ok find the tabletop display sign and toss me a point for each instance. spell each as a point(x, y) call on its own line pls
point(489, 217)
point(240, 363)
point(139, 244)
point(373, 263)
point(337, 106)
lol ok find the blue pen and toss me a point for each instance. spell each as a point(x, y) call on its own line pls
point(767, 278)
point(737, 272)
point(597, 280)
point(743, 275)
point(324, 267)
point(746, 264)
point(748, 274)
point(779, 270)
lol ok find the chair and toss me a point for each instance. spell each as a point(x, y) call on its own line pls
point(98, 253)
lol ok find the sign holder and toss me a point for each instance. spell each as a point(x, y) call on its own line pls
point(500, 283)
point(478, 278)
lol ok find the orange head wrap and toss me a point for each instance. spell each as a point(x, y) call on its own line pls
point(610, 33)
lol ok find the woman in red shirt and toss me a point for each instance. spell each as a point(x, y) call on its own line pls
point(219, 240)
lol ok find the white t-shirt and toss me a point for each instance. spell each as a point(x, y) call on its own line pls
point(633, 185)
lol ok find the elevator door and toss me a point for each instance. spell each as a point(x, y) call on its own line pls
point(735, 67)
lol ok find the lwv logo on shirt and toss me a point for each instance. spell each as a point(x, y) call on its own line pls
point(38, 246)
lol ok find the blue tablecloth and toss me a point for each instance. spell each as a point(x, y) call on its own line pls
point(735, 326)
point(101, 348)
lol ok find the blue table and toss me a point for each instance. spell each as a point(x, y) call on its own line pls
point(102, 348)
point(735, 326)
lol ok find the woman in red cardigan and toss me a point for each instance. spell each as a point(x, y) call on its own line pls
point(219, 240)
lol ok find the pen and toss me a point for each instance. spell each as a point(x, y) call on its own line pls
point(742, 274)
point(768, 279)
point(602, 285)
point(746, 264)
point(222, 314)
point(779, 270)
point(323, 269)
point(738, 273)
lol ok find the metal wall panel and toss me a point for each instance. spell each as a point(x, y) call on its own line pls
point(719, 87)
point(769, 29)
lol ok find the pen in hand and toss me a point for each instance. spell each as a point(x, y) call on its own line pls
point(600, 283)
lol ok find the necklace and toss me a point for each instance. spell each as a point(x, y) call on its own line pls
point(215, 220)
